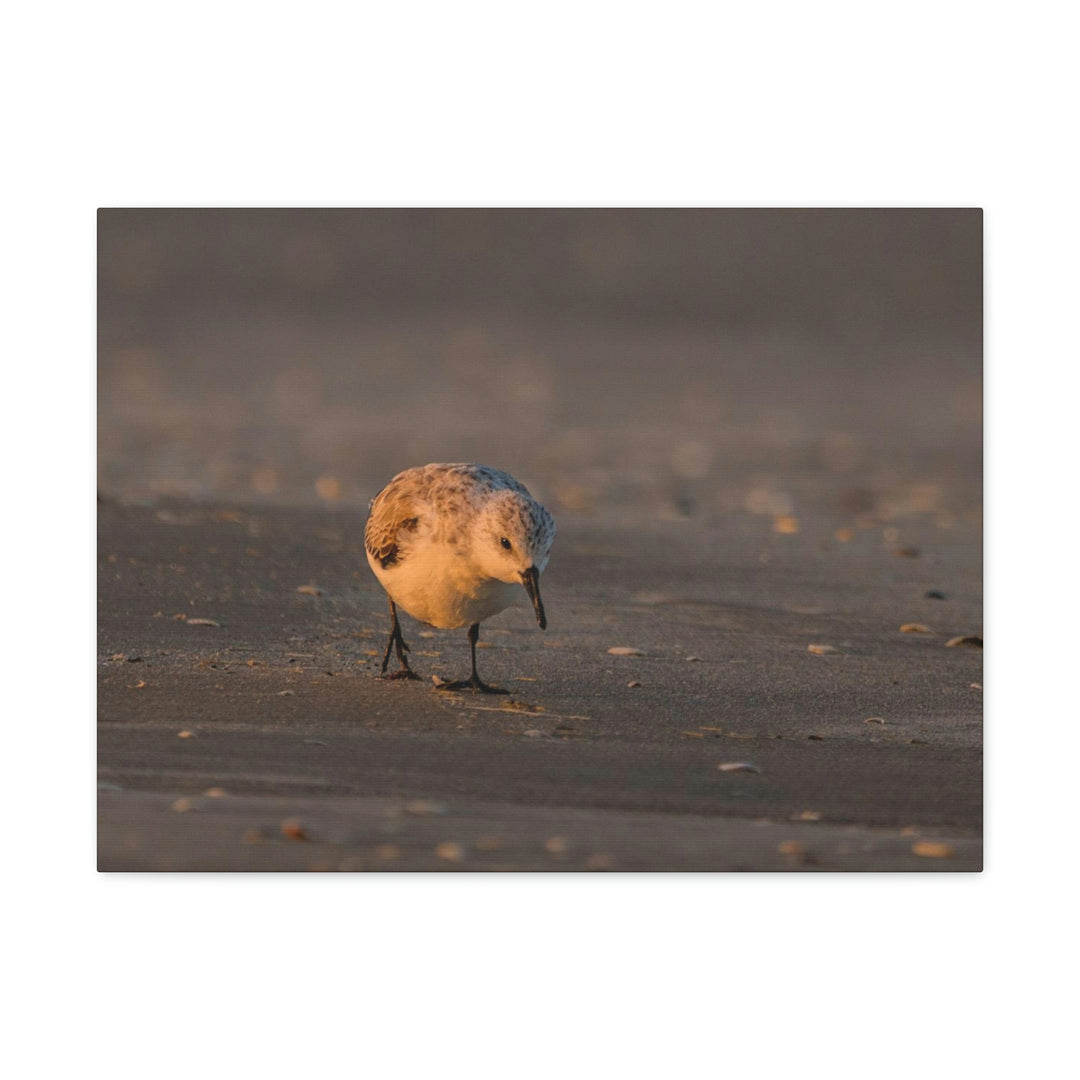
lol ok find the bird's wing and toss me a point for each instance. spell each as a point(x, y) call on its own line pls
point(393, 511)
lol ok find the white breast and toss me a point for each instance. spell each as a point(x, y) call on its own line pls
point(437, 585)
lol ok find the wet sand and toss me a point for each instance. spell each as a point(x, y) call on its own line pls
point(577, 770)
point(757, 431)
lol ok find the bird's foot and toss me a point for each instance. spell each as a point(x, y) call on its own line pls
point(475, 684)
point(401, 673)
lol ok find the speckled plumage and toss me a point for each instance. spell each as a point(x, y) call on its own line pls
point(453, 544)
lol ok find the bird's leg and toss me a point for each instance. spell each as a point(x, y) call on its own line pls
point(474, 682)
point(397, 642)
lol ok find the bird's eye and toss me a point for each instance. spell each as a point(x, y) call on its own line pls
point(505, 543)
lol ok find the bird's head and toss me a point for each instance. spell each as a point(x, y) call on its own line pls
point(512, 542)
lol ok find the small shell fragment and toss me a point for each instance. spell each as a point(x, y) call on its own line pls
point(874, 720)
point(309, 590)
point(694, 660)
point(294, 829)
point(821, 650)
point(450, 851)
point(215, 793)
point(625, 650)
point(932, 849)
point(182, 806)
point(972, 641)
point(555, 845)
point(202, 622)
point(185, 734)
point(421, 807)
point(915, 628)
point(633, 684)
point(738, 766)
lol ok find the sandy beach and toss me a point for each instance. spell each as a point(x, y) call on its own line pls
point(242, 726)
point(759, 433)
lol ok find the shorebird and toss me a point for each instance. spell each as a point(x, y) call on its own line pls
point(452, 545)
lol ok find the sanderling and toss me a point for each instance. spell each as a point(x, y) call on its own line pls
point(451, 544)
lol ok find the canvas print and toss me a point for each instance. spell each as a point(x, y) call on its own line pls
point(539, 540)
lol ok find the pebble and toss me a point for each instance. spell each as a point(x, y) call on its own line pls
point(694, 660)
point(421, 807)
point(625, 650)
point(555, 845)
point(310, 590)
point(915, 628)
point(807, 815)
point(737, 766)
point(934, 594)
point(633, 685)
point(972, 641)
point(294, 829)
point(931, 849)
point(202, 622)
point(185, 735)
point(182, 806)
point(450, 851)
point(215, 793)
point(533, 733)
point(821, 650)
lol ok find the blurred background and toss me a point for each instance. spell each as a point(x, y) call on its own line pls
point(659, 364)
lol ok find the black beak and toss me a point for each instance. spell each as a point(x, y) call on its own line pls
point(531, 580)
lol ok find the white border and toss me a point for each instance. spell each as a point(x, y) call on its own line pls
point(943, 104)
